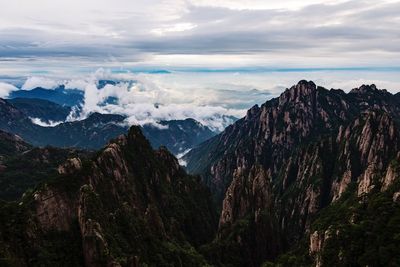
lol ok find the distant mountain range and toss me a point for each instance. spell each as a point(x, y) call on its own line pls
point(178, 135)
point(44, 110)
point(93, 132)
point(58, 95)
point(66, 97)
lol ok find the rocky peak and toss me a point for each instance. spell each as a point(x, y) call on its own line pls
point(136, 141)
point(365, 88)
point(252, 112)
point(135, 134)
point(302, 90)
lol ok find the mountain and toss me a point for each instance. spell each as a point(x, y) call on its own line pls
point(302, 178)
point(91, 133)
point(11, 145)
point(59, 95)
point(25, 171)
point(94, 131)
point(177, 135)
point(128, 205)
point(44, 110)
point(14, 121)
point(23, 166)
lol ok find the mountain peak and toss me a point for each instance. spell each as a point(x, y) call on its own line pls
point(252, 111)
point(136, 138)
point(303, 89)
point(135, 132)
point(306, 83)
point(365, 88)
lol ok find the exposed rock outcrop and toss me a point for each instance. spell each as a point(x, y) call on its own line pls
point(127, 206)
point(309, 145)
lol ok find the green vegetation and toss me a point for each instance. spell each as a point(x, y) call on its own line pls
point(155, 214)
point(362, 231)
point(27, 170)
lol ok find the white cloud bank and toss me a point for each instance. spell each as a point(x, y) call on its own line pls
point(143, 101)
point(6, 89)
point(42, 123)
point(36, 81)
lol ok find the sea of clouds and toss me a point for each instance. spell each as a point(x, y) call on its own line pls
point(138, 97)
point(210, 98)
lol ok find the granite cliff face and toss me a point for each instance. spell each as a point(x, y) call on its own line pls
point(296, 155)
point(127, 206)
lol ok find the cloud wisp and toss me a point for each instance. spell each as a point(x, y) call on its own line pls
point(6, 89)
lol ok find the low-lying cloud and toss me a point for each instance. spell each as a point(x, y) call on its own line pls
point(35, 81)
point(6, 89)
point(42, 123)
point(143, 100)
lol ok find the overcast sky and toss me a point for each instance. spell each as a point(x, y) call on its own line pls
point(206, 33)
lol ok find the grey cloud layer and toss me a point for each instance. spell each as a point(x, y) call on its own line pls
point(355, 30)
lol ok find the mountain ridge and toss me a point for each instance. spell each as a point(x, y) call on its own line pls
point(94, 131)
point(105, 210)
point(276, 168)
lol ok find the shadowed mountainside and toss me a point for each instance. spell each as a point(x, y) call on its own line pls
point(277, 169)
point(127, 205)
